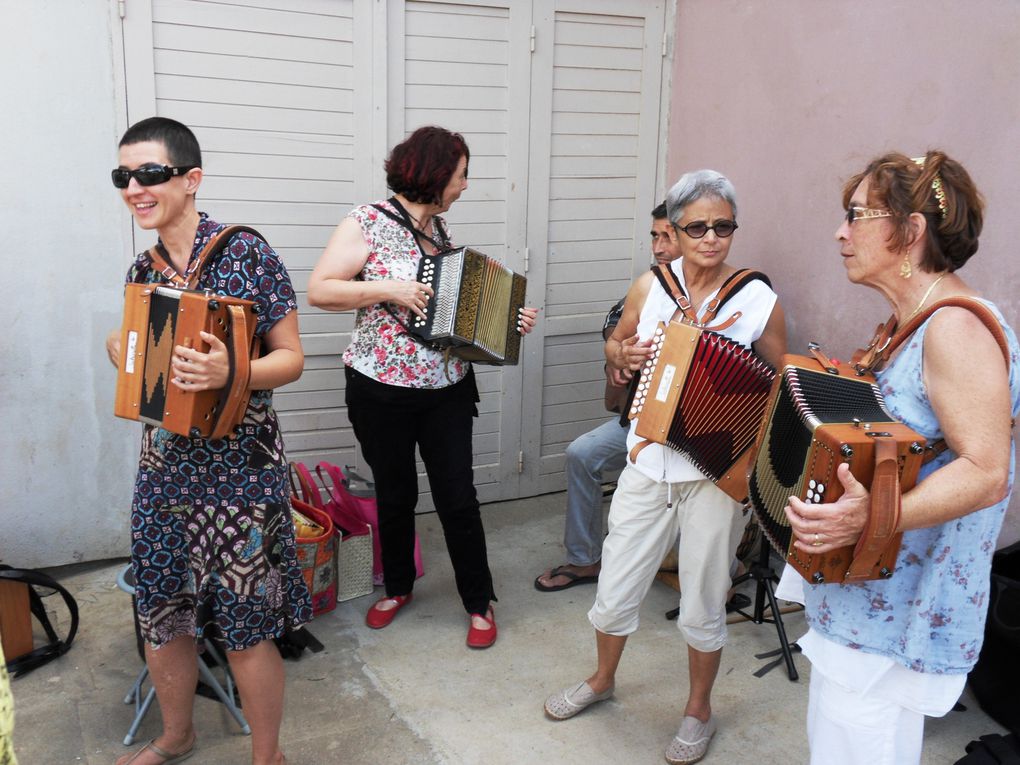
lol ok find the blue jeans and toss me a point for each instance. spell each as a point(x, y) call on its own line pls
point(603, 449)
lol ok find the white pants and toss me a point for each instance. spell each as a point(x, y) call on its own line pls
point(849, 728)
point(642, 527)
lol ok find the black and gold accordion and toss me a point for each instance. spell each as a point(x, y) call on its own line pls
point(703, 395)
point(474, 307)
point(157, 318)
point(819, 415)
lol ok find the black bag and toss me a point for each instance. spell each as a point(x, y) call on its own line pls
point(22, 665)
point(993, 749)
point(995, 678)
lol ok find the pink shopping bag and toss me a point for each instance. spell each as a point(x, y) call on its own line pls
point(362, 505)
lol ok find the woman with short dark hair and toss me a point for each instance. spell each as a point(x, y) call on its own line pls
point(401, 393)
point(212, 541)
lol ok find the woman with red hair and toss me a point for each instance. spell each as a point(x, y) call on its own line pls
point(400, 392)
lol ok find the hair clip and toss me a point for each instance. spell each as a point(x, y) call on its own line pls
point(936, 186)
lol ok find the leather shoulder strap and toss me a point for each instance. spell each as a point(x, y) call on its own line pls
point(212, 248)
point(975, 306)
point(733, 284)
point(673, 288)
point(215, 246)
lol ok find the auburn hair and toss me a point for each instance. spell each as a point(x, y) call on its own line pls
point(421, 166)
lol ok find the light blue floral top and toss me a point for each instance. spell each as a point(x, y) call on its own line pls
point(930, 615)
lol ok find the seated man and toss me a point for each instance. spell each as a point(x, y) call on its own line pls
point(596, 453)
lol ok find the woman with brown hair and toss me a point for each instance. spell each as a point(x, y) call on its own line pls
point(401, 393)
point(886, 653)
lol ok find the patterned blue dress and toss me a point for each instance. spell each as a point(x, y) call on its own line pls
point(212, 538)
point(929, 617)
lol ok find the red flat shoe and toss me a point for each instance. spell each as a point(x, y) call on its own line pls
point(482, 638)
point(377, 618)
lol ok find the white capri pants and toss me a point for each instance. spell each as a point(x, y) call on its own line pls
point(642, 527)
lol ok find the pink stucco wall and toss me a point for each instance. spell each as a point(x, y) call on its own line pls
point(789, 98)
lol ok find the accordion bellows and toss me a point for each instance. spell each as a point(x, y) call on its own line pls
point(157, 318)
point(815, 420)
point(474, 307)
point(703, 395)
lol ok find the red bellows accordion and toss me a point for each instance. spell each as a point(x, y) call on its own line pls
point(819, 415)
point(157, 318)
point(704, 395)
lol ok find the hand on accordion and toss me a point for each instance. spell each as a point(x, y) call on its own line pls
point(194, 371)
point(412, 295)
point(113, 347)
point(633, 353)
point(821, 528)
point(619, 378)
point(527, 317)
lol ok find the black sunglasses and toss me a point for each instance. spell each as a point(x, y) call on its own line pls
point(147, 175)
point(699, 228)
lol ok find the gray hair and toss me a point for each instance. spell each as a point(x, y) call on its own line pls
point(693, 186)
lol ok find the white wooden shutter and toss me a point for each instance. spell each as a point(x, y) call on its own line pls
point(602, 72)
point(270, 94)
point(464, 66)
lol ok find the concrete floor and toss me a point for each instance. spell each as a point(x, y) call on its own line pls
point(413, 693)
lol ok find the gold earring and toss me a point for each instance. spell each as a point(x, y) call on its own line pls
point(905, 270)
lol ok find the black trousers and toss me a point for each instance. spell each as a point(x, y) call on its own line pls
point(389, 421)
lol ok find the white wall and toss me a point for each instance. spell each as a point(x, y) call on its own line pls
point(68, 464)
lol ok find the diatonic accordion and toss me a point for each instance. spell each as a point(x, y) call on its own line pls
point(703, 395)
point(474, 307)
point(157, 318)
point(817, 418)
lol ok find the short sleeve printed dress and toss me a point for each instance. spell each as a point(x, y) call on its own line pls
point(213, 547)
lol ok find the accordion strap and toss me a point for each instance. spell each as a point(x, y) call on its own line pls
point(404, 219)
point(888, 337)
point(161, 262)
point(233, 396)
point(733, 284)
point(664, 273)
point(884, 518)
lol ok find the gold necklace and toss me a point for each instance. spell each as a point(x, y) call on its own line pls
point(927, 294)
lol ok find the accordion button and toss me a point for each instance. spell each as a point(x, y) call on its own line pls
point(811, 483)
point(821, 488)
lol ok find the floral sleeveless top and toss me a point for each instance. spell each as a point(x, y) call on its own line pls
point(380, 347)
point(930, 615)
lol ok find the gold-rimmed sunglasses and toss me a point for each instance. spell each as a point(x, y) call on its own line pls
point(857, 213)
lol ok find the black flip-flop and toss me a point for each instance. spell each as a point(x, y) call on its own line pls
point(573, 580)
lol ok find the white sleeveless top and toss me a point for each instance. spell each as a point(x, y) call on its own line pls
point(755, 303)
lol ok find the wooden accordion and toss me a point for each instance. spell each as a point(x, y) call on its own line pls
point(157, 318)
point(703, 395)
point(474, 307)
point(819, 416)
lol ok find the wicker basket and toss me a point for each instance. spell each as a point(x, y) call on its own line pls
point(354, 577)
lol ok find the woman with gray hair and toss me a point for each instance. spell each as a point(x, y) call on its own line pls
point(661, 493)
